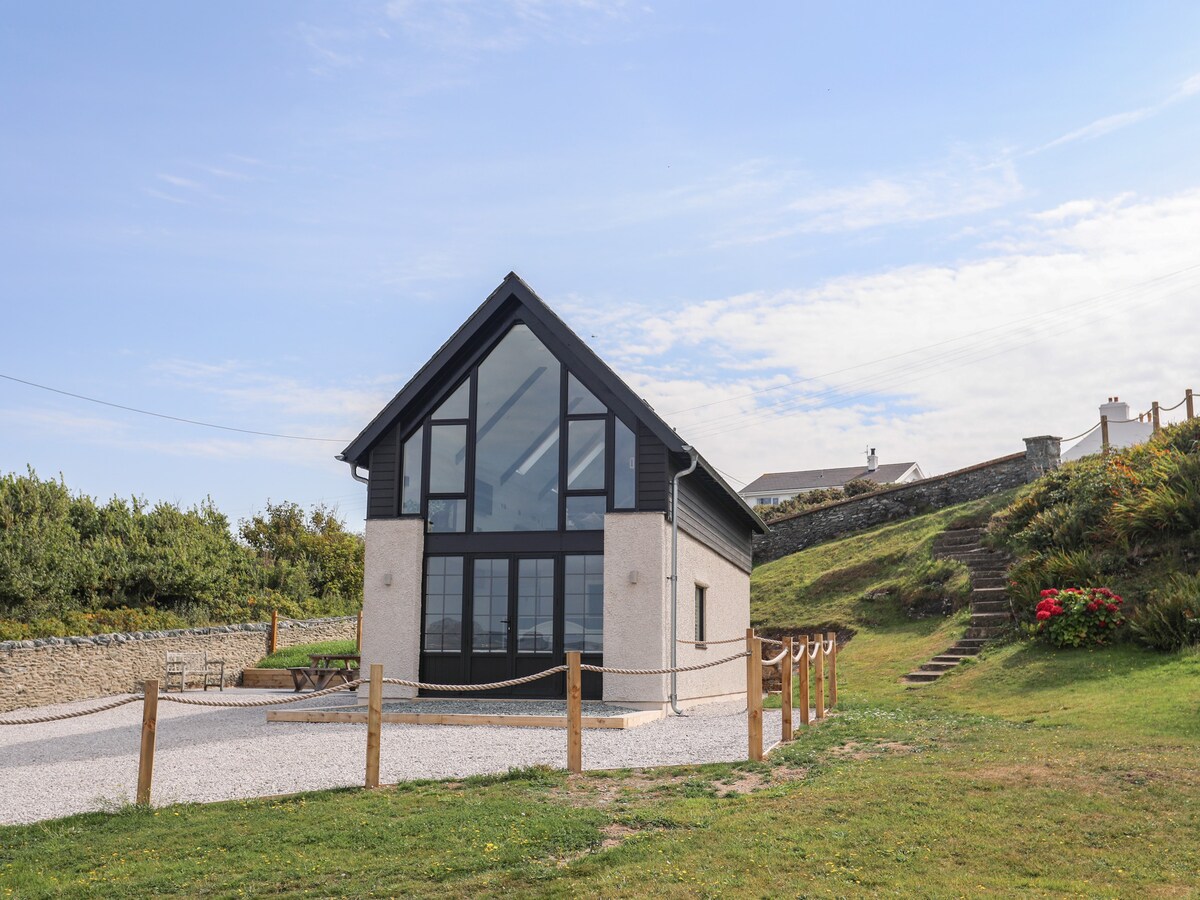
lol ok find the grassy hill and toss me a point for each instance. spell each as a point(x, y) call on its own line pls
point(1029, 772)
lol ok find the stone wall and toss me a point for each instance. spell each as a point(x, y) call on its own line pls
point(814, 526)
point(53, 670)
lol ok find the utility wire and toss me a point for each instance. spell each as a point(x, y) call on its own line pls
point(157, 415)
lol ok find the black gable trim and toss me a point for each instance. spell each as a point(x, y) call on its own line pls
point(515, 301)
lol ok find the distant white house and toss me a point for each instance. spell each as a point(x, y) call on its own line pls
point(1121, 431)
point(775, 487)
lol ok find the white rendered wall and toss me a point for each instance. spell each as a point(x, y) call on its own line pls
point(728, 616)
point(392, 613)
point(636, 623)
point(637, 617)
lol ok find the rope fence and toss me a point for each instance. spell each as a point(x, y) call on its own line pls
point(1153, 415)
point(821, 651)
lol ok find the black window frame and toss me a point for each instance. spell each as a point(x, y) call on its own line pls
point(701, 616)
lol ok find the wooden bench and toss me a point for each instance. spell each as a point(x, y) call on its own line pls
point(210, 670)
point(319, 677)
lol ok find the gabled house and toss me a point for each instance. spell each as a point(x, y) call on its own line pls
point(520, 504)
point(776, 487)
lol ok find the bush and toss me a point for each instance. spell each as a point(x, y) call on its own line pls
point(1170, 619)
point(1074, 617)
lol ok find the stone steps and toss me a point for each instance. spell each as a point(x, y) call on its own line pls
point(990, 610)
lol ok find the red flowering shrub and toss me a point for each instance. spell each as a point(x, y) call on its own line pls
point(1075, 617)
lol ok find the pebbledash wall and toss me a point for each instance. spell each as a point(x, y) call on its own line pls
point(55, 670)
point(813, 526)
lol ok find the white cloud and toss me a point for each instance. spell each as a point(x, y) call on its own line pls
point(1095, 298)
point(1108, 124)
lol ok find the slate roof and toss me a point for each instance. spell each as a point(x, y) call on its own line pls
point(568, 347)
point(809, 479)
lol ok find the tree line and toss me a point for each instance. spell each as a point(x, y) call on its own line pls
point(70, 564)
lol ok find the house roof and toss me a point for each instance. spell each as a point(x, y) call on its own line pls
point(514, 294)
point(809, 479)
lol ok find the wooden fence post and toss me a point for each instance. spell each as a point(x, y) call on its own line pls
point(1190, 407)
point(1154, 417)
point(358, 634)
point(819, 685)
point(833, 669)
point(1104, 434)
point(785, 687)
point(574, 713)
point(273, 640)
point(805, 700)
point(374, 723)
point(149, 730)
point(754, 682)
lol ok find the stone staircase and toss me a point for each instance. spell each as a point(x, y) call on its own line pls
point(990, 611)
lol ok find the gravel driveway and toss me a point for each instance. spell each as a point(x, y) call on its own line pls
point(90, 763)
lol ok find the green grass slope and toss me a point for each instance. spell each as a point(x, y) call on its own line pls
point(1029, 773)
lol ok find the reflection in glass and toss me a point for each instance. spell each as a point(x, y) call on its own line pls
point(584, 604)
point(410, 491)
point(447, 515)
point(585, 454)
point(443, 603)
point(516, 442)
point(585, 513)
point(447, 459)
point(490, 592)
point(624, 468)
point(457, 405)
point(580, 400)
point(535, 605)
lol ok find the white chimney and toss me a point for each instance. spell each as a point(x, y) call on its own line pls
point(1116, 409)
point(872, 460)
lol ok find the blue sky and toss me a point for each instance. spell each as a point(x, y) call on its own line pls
point(269, 215)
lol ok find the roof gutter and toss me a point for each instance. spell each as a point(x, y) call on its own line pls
point(675, 575)
point(353, 468)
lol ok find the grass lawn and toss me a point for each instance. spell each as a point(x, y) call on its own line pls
point(298, 655)
point(1026, 773)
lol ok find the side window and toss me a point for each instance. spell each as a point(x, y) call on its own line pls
point(701, 613)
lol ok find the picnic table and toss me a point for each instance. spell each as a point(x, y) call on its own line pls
point(324, 669)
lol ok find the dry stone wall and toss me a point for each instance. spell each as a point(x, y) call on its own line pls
point(54, 670)
point(824, 523)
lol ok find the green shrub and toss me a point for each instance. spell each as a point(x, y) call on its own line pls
point(1075, 617)
point(298, 655)
point(1170, 618)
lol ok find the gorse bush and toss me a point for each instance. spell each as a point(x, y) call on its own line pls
point(1128, 520)
point(70, 565)
point(818, 497)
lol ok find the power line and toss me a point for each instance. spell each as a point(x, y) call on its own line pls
point(157, 415)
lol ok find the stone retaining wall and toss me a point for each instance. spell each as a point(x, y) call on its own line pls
point(814, 526)
point(54, 670)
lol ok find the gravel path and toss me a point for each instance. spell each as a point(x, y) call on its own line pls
point(205, 754)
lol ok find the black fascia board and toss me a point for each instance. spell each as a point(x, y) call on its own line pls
point(592, 371)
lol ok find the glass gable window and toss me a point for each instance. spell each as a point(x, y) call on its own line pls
point(585, 454)
point(624, 467)
point(516, 443)
point(584, 604)
point(444, 604)
point(580, 400)
point(410, 491)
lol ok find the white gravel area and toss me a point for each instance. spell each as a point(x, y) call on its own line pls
point(205, 754)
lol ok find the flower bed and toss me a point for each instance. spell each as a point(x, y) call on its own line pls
point(1077, 617)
